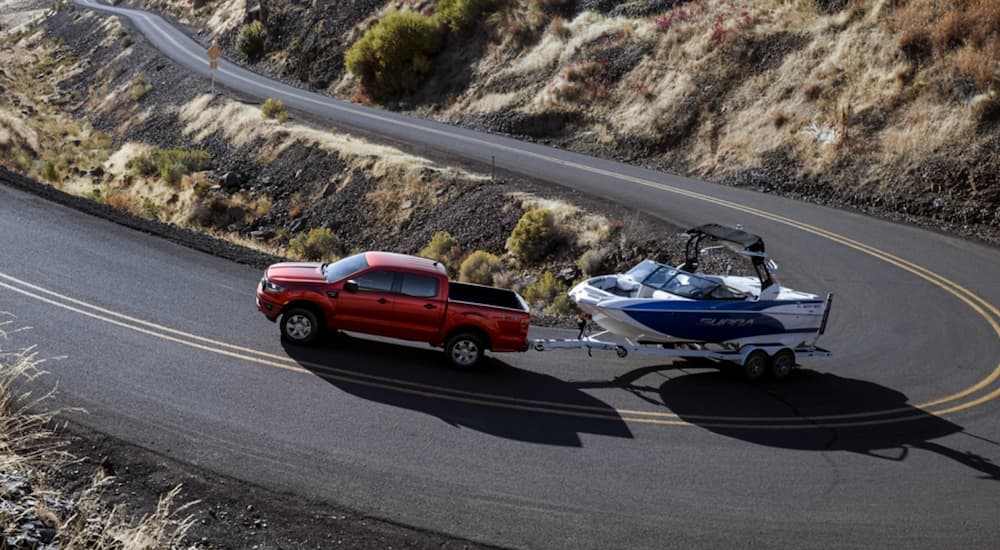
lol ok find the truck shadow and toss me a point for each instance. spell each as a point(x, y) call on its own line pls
point(495, 398)
point(808, 411)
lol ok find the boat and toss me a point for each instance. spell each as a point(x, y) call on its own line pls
point(654, 303)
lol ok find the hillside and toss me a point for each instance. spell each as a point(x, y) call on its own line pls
point(885, 106)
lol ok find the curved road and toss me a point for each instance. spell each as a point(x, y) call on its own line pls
point(893, 441)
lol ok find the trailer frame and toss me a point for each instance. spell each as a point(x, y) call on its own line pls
point(756, 360)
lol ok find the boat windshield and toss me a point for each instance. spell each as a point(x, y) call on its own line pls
point(672, 280)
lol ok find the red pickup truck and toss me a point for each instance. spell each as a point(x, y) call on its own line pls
point(394, 295)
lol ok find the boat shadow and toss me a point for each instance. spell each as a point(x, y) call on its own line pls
point(496, 398)
point(807, 411)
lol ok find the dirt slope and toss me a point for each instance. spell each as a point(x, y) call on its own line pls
point(884, 106)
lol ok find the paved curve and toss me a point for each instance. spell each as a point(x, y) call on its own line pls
point(892, 441)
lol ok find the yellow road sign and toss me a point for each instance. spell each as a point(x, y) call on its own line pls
point(214, 52)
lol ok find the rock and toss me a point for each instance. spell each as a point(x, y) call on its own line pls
point(46, 535)
point(263, 234)
point(298, 224)
point(567, 274)
point(231, 180)
point(96, 172)
point(407, 204)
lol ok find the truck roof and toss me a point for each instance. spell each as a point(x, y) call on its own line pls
point(412, 263)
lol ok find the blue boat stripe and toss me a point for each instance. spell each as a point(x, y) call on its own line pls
point(714, 306)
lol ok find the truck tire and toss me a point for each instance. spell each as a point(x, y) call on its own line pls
point(300, 325)
point(464, 350)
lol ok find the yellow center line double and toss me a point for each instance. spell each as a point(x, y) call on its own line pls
point(887, 416)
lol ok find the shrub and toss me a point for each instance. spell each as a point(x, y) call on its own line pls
point(561, 304)
point(49, 171)
point(143, 165)
point(442, 247)
point(201, 188)
point(544, 291)
point(592, 262)
point(534, 236)
point(150, 209)
point(250, 40)
point(318, 244)
point(216, 212)
point(978, 66)
point(393, 56)
point(170, 164)
point(119, 200)
point(274, 108)
point(141, 86)
point(949, 31)
point(479, 268)
point(461, 14)
point(95, 195)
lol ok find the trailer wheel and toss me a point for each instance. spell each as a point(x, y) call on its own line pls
point(782, 363)
point(464, 350)
point(755, 365)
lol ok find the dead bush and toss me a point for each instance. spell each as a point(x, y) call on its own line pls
point(216, 212)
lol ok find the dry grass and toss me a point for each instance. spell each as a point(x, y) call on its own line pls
point(962, 36)
point(734, 81)
point(31, 450)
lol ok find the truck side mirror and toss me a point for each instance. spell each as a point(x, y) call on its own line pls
point(351, 286)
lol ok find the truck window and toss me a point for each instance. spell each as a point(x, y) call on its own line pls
point(376, 281)
point(419, 286)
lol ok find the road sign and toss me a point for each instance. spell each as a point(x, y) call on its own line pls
point(214, 52)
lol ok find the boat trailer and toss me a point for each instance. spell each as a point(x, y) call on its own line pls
point(756, 360)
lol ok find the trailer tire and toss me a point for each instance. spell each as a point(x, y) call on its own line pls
point(464, 350)
point(755, 365)
point(782, 364)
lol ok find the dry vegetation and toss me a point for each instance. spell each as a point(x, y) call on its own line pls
point(862, 100)
point(182, 186)
point(35, 512)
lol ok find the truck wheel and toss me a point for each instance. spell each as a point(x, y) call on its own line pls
point(782, 363)
point(300, 325)
point(755, 365)
point(464, 350)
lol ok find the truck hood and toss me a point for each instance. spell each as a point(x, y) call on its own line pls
point(295, 272)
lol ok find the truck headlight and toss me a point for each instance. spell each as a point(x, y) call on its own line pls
point(268, 286)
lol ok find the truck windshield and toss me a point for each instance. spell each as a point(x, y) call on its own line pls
point(342, 268)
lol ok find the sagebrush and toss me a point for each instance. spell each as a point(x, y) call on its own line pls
point(315, 245)
point(480, 268)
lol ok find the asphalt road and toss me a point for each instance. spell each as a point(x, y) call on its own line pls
point(892, 441)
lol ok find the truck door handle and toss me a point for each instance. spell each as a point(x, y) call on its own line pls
point(429, 306)
point(383, 301)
